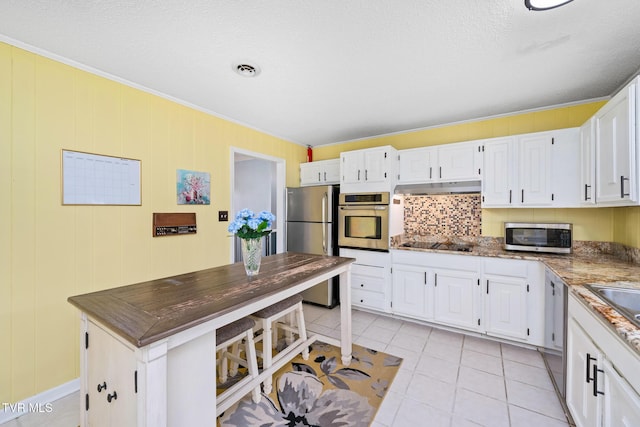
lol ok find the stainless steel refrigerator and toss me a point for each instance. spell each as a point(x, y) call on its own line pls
point(312, 228)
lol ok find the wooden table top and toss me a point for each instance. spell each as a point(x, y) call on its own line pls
point(146, 312)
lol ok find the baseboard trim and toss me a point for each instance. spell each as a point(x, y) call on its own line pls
point(41, 402)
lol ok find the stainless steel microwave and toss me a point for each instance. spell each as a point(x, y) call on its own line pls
point(550, 238)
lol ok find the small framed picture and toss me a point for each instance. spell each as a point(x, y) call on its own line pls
point(193, 188)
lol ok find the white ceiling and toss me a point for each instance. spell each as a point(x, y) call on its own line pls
point(338, 70)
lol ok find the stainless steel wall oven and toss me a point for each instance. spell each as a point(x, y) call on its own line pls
point(363, 221)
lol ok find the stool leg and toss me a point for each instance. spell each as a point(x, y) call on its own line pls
point(252, 364)
point(235, 350)
point(290, 322)
point(267, 344)
point(302, 330)
point(223, 365)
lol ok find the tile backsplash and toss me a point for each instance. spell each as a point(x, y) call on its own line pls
point(443, 215)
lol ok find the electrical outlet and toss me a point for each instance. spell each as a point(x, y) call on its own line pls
point(223, 215)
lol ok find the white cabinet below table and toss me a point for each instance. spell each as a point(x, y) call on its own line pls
point(111, 381)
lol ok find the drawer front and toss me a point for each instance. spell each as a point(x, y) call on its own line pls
point(374, 300)
point(368, 283)
point(506, 267)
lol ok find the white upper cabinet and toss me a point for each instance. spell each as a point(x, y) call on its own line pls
point(442, 163)
point(588, 163)
point(617, 149)
point(323, 172)
point(532, 170)
point(498, 179)
point(416, 165)
point(459, 162)
point(367, 170)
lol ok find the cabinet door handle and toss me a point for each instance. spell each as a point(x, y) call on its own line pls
point(319, 180)
point(430, 172)
point(440, 171)
point(487, 286)
point(522, 196)
point(425, 277)
point(586, 197)
point(102, 386)
point(358, 174)
point(325, 177)
point(622, 180)
point(111, 397)
point(509, 196)
point(589, 359)
point(435, 279)
point(366, 174)
point(596, 392)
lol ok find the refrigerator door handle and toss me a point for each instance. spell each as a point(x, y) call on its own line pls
point(325, 199)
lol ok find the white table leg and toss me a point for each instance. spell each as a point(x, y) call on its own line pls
point(345, 316)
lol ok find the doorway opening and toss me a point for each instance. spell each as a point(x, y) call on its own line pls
point(258, 182)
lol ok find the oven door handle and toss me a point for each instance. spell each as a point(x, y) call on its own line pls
point(364, 208)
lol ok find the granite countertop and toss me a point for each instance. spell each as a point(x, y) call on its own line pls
point(582, 267)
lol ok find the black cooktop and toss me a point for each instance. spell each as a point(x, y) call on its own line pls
point(441, 246)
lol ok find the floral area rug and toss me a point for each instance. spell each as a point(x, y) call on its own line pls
point(320, 391)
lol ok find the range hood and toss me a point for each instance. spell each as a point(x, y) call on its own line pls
point(462, 187)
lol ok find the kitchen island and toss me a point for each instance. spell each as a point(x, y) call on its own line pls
point(147, 354)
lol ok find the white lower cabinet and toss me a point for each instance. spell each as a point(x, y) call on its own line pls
point(622, 404)
point(506, 306)
point(599, 376)
point(456, 298)
point(583, 357)
point(513, 295)
point(499, 297)
point(412, 295)
point(370, 279)
point(111, 382)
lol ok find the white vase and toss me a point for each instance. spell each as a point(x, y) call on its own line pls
point(251, 255)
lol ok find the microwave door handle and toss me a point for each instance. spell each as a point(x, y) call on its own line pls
point(325, 199)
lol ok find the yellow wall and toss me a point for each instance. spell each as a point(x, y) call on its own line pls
point(49, 252)
point(589, 224)
point(626, 226)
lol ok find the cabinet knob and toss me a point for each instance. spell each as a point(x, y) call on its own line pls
point(361, 300)
point(111, 397)
point(102, 386)
point(362, 285)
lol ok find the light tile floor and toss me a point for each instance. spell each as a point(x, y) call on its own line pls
point(447, 378)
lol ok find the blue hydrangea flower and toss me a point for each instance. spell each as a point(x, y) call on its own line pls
point(248, 225)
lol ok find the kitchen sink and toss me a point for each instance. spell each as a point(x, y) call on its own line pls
point(625, 301)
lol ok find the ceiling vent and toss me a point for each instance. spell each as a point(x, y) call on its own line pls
point(246, 70)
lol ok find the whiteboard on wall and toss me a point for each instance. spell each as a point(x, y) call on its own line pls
point(94, 179)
